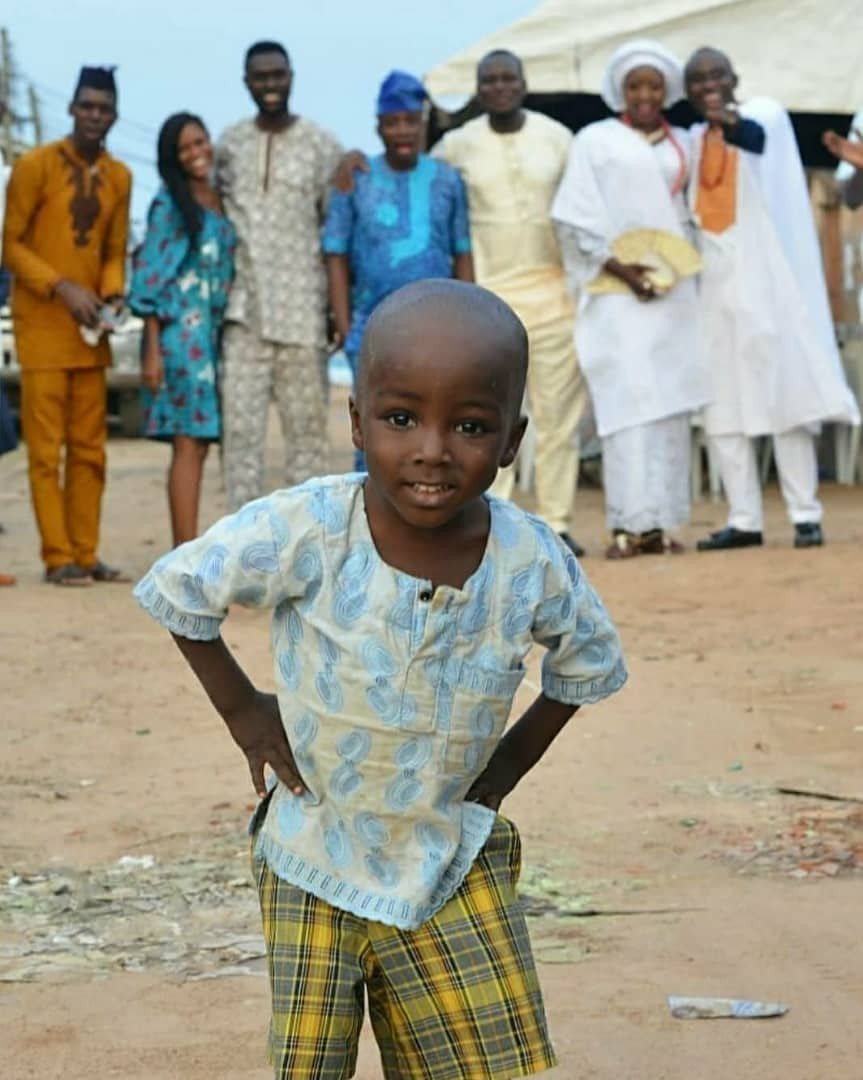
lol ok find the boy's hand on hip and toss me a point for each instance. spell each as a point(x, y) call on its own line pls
point(258, 731)
point(496, 780)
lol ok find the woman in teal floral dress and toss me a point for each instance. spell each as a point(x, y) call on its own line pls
point(181, 277)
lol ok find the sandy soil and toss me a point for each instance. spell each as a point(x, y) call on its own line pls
point(662, 804)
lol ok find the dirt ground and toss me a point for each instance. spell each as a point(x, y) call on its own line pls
point(129, 939)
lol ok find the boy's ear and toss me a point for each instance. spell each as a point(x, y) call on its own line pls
point(514, 442)
point(356, 424)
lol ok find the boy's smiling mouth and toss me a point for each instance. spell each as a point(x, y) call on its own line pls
point(429, 489)
point(430, 496)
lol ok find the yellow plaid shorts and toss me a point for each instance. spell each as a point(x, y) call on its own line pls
point(456, 999)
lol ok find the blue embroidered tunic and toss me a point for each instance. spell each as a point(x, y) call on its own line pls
point(185, 285)
point(397, 227)
point(393, 695)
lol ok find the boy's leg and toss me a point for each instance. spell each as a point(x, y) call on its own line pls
point(459, 998)
point(299, 387)
point(314, 956)
point(245, 390)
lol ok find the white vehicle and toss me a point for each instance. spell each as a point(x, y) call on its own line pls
point(124, 375)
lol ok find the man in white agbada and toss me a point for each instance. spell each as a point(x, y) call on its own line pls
point(766, 321)
point(638, 347)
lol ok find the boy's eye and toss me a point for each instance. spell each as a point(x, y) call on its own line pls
point(400, 419)
point(471, 427)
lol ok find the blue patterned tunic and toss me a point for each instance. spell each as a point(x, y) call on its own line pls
point(186, 287)
point(393, 696)
point(397, 227)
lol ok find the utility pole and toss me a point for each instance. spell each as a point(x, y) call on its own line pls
point(35, 115)
point(7, 120)
point(14, 134)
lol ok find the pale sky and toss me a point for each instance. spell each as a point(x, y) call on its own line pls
point(183, 54)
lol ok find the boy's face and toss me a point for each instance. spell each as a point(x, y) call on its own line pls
point(435, 418)
point(401, 134)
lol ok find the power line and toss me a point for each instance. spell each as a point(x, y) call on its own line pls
point(59, 96)
point(60, 120)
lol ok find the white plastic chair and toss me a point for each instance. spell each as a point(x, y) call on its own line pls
point(700, 450)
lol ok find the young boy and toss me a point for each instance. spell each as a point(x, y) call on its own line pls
point(404, 604)
point(405, 220)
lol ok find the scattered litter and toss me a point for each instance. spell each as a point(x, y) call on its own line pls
point(136, 862)
point(225, 972)
point(142, 731)
point(812, 793)
point(689, 822)
point(195, 916)
point(710, 1008)
point(187, 916)
point(595, 913)
point(736, 766)
point(816, 841)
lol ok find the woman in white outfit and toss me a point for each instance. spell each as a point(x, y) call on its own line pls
point(638, 347)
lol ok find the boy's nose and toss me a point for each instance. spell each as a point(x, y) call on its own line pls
point(432, 447)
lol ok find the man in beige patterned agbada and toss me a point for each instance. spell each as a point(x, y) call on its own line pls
point(274, 172)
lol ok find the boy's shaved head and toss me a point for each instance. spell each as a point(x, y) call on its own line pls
point(449, 312)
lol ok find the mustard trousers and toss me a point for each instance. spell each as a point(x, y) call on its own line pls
point(65, 411)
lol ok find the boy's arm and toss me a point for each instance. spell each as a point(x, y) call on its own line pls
point(462, 261)
point(339, 279)
point(519, 750)
point(462, 267)
point(583, 664)
point(251, 717)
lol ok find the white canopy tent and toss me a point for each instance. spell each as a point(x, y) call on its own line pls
point(805, 53)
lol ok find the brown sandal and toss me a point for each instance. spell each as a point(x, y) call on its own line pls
point(624, 545)
point(68, 576)
point(655, 542)
point(102, 573)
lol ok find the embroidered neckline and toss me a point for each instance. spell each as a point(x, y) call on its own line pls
point(711, 183)
point(85, 204)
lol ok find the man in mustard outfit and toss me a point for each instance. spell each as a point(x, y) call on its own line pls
point(64, 240)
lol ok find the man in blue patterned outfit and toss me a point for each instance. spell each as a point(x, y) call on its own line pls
point(405, 602)
point(406, 218)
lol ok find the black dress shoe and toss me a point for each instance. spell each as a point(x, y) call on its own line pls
point(730, 537)
point(808, 535)
point(572, 544)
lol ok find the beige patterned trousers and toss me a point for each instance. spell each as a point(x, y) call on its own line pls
point(557, 393)
point(254, 373)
